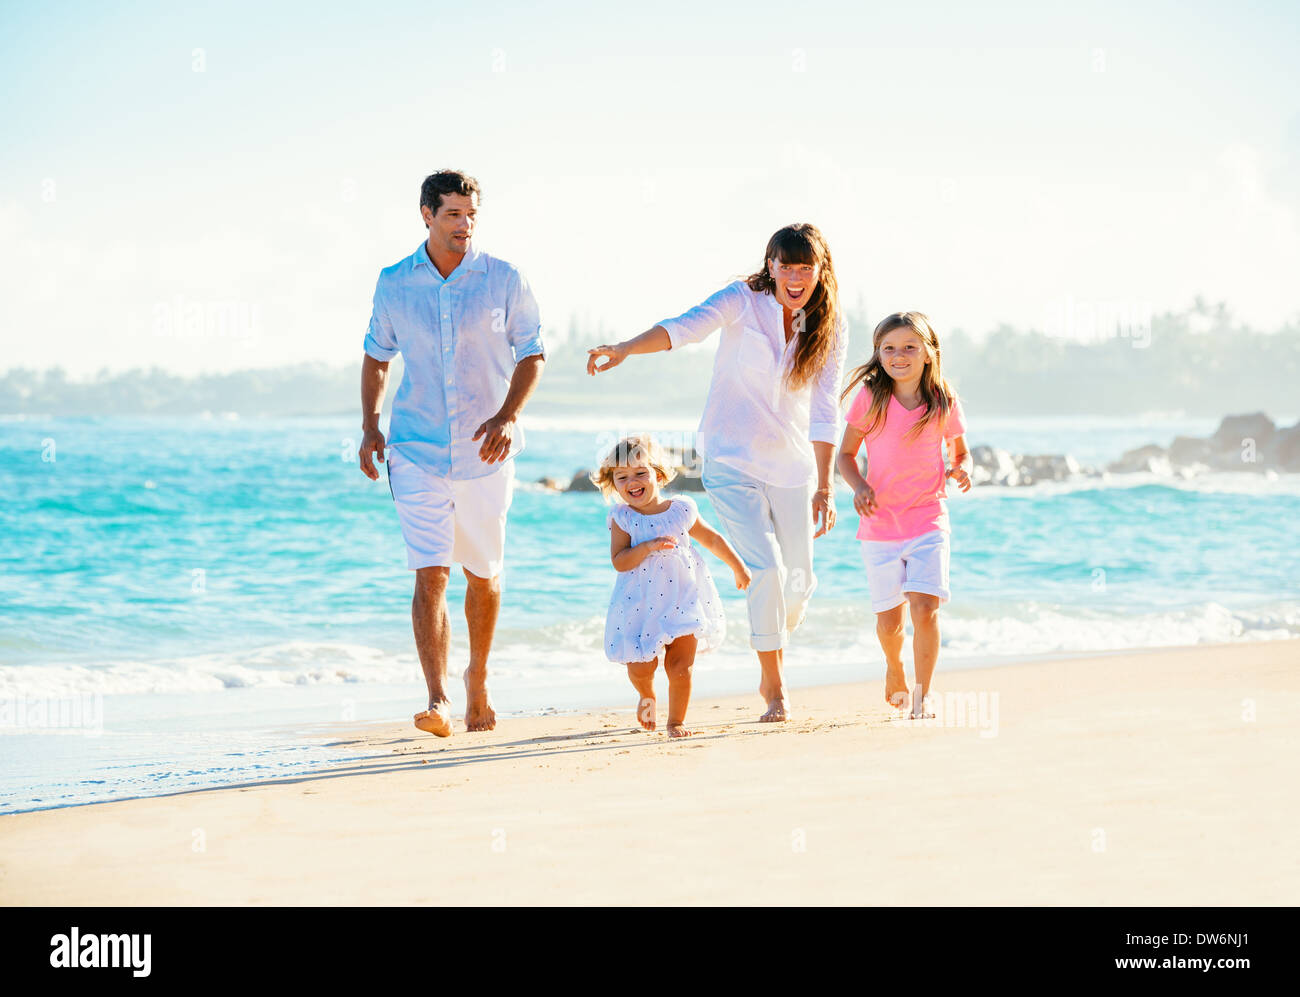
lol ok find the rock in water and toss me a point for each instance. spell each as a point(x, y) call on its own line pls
point(1187, 450)
point(993, 466)
point(1148, 458)
point(1235, 430)
point(1284, 451)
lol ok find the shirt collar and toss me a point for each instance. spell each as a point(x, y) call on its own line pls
point(472, 260)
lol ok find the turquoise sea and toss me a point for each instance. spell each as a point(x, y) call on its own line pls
point(198, 601)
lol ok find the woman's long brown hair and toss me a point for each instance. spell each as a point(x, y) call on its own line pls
point(818, 325)
point(936, 393)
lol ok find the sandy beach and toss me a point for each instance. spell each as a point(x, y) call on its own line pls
point(1163, 777)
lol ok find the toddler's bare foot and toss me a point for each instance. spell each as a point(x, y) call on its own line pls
point(678, 730)
point(895, 686)
point(645, 713)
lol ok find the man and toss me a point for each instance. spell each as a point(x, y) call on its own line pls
point(467, 327)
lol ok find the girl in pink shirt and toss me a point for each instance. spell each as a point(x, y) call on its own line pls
point(904, 411)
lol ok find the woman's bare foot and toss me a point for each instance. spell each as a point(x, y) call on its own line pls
point(895, 686)
point(435, 720)
point(645, 713)
point(773, 693)
point(776, 712)
point(679, 730)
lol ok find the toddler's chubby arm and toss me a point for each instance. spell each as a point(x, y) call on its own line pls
point(962, 462)
point(625, 555)
point(864, 496)
point(716, 544)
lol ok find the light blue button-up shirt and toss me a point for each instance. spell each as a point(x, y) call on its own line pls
point(460, 339)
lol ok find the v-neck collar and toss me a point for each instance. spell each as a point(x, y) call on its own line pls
point(893, 400)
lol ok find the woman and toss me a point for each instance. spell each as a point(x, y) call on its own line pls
point(770, 427)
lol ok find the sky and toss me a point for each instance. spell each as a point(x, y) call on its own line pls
point(204, 188)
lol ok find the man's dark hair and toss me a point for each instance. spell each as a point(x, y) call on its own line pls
point(446, 182)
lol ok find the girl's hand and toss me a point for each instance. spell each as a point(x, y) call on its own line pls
point(661, 543)
point(960, 476)
point(743, 577)
point(616, 355)
point(864, 501)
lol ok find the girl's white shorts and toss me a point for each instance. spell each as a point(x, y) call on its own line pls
point(897, 566)
point(445, 521)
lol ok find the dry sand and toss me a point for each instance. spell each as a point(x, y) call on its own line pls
point(1164, 777)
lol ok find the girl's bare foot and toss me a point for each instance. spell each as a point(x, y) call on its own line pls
point(678, 730)
point(918, 705)
point(895, 686)
point(645, 713)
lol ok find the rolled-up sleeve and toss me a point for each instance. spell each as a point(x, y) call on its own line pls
point(720, 308)
point(824, 406)
point(381, 343)
point(523, 320)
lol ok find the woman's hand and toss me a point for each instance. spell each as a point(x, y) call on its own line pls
point(864, 500)
point(959, 475)
point(823, 510)
point(615, 355)
point(743, 577)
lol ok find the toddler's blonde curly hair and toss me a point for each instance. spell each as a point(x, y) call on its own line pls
point(630, 451)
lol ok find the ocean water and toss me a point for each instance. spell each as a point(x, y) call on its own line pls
point(195, 602)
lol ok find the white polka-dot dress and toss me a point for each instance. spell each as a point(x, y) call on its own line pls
point(668, 595)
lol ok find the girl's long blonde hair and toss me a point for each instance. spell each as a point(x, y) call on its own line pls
point(628, 452)
point(936, 393)
point(804, 243)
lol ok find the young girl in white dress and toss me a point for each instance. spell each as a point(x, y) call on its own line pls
point(664, 600)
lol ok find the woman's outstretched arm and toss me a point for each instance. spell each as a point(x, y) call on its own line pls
point(654, 340)
point(691, 326)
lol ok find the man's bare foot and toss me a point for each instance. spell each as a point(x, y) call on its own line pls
point(479, 714)
point(645, 713)
point(895, 686)
point(679, 730)
point(776, 712)
point(435, 720)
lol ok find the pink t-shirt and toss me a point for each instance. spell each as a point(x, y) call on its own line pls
point(906, 473)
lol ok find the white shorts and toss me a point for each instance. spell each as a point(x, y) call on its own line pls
point(897, 566)
point(445, 521)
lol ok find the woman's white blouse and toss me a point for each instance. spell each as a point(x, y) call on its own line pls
point(752, 420)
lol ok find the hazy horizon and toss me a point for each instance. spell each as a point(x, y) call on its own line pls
point(1174, 363)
